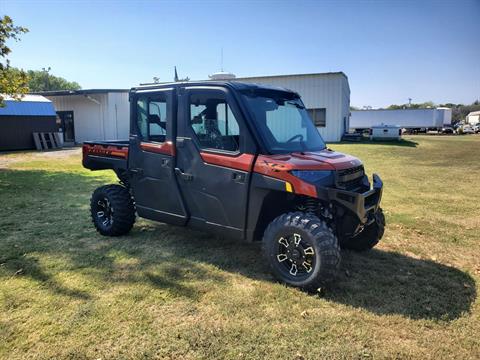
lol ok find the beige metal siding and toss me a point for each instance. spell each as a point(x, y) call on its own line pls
point(329, 91)
point(97, 116)
point(118, 115)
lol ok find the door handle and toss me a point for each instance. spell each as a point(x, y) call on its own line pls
point(180, 142)
point(238, 177)
point(138, 171)
point(184, 176)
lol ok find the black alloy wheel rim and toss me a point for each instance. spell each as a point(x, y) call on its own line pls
point(104, 212)
point(295, 256)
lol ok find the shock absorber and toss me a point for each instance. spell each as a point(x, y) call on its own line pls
point(311, 205)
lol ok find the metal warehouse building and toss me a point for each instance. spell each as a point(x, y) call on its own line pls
point(99, 114)
point(20, 119)
point(325, 95)
point(104, 114)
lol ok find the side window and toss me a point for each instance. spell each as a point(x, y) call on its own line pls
point(213, 121)
point(318, 116)
point(152, 118)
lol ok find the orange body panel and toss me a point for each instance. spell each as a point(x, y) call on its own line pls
point(166, 148)
point(101, 150)
point(242, 162)
point(267, 165)
point(279, 167)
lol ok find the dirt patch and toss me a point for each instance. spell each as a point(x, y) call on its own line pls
point(6, 159)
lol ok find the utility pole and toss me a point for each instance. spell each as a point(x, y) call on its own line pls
point(46, 71)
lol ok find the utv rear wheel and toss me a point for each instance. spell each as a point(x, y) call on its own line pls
point(370, 236)
point(301, 250)
point(112, 210)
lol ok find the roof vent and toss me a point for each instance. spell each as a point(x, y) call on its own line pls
point(222, 75)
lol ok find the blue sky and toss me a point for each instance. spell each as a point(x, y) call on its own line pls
point(390, 50)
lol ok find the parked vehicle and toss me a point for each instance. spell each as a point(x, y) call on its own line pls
point(241, 160)
point(467, 129)
point(476, 128)
point(447, 130)
point(385, 132)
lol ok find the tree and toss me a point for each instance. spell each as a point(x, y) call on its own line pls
point(425, 105)
point(42, 80)
point(13, 82)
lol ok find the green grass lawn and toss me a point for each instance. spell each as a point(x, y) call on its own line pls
point(169, 292)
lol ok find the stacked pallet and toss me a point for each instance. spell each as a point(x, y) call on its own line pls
point(46, 141)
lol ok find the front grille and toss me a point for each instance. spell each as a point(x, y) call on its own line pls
point(350, 178)
point(352, 170)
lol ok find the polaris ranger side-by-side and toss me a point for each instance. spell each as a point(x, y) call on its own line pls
point(244, 161)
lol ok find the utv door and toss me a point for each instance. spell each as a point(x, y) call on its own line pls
point(152, 156)
point(214, 160)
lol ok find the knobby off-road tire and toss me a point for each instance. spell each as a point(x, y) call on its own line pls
point(301, 250)
point(369, 237)
point(112, 210)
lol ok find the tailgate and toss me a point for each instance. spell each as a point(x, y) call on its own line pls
point(105, 155)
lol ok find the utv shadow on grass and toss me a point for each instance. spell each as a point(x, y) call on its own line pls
point(379, 281)
point(391, 283)
point(54, 228)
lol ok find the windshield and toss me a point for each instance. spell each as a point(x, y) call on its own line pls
point(283, 122)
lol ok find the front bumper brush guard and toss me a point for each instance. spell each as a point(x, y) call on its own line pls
point(364, 205)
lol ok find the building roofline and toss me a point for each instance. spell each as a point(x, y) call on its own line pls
point(26, 98)
point(78, 92)
point(408, 109)
point(291, 75)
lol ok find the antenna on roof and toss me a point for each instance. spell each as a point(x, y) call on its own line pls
point(221, 59)
point(175, 78)
point(222, 75)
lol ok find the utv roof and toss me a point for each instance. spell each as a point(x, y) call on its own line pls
point(237, 85)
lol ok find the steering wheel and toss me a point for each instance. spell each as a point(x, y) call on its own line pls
point(215, 137)
point(299, 136)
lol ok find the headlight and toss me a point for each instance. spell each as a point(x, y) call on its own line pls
point(317, 177)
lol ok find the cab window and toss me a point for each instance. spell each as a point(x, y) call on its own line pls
point(213, 121)
point(152, 118)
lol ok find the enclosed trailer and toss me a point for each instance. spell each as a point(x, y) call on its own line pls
point(446, 115)
point(404, 118)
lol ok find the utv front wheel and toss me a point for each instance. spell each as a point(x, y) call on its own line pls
point(370, 236)
point(112, 210)
point(301, 250)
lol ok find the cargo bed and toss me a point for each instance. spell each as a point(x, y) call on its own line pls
point(102, 155)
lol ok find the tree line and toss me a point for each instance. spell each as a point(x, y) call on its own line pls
point(42, 80)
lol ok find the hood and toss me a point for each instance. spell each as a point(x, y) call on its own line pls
point(318, 160)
